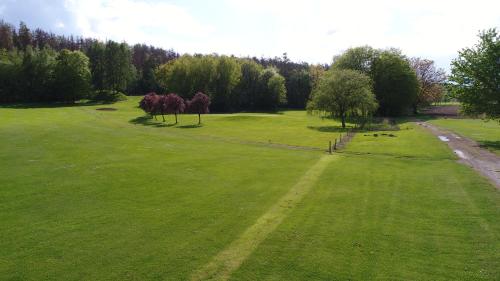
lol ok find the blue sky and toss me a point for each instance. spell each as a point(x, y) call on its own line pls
point(308, 30)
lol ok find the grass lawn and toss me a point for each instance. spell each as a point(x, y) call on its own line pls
point(387, 217)
point(486, 133)
point(107, 195)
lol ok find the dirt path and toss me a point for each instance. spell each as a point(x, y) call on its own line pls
point(485, 162)
point(230, 259)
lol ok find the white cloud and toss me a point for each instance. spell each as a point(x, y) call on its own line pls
point(430, 28)
point(60, 24)
point(309, 30)
point(134, 21)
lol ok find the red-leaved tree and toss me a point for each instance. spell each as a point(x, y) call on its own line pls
point(199, 104)
point(174, 105)
point(162, 106)
point(149, 103)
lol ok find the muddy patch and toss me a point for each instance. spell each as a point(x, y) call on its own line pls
point(485, 162)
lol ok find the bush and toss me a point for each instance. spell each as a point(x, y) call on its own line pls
point(109, 96)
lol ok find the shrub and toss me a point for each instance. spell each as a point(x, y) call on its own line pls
point(109, 96)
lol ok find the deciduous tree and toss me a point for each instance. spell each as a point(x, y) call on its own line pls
point(344, 93)
point(72, 76)
point(174, 105)
point(149, 103)
point(395, 83)
point(475, 76)
point(431, 81)
point(199, 104)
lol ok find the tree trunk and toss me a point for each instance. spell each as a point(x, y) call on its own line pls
point(163, 116)
point(175, 118)
point(342, 116)
point(199, 119)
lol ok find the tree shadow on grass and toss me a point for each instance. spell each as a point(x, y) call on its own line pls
point(490, 145)
point(328, 129)
point(52, 104)
point(193, 126)
point(148, 121)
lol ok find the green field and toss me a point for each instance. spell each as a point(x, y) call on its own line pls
point(486, 133)
point(111, 195)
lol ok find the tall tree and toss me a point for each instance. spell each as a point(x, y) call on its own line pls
point(6, 36)
point(37, 74)
point(118, 68)
point(248, 87)
point(24, 37)
point(299, 86)
point(10, 71)
point(96, 54)
point(72, 76)
point(395, 83)
point(475, 76)
point(344, 93)
point(431, 81)
point(272, 90)
point(228, 74)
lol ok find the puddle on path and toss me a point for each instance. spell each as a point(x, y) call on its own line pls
point(443, 138)
point(460, 154)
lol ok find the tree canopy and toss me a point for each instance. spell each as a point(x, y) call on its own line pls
point(231, 83)
point(72, 74)
point(431, 82)
point(475, 76)
point(394, 81)
point(344, 93)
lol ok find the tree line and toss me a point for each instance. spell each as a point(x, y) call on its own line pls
point(35, 67)
point(234, 84)
point(364, 81)
point(114, 67)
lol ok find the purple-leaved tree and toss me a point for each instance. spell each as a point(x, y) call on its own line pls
point(174, 105)
point(199, 104)
point(162, 106)
point(149, 103)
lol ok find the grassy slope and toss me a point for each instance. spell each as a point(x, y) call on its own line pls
point(289, 127)
point(487, 134)
point(406, 213)
point(104, 195)
point(86, 194)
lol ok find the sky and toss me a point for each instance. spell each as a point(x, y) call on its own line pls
point(312, 31)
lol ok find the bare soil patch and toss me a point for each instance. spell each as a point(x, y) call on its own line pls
point(450, 111)
point(470, 152)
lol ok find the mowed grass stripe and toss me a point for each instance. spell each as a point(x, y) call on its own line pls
point(228, 260)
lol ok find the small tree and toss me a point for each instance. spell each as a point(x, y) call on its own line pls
point(343, 93)
point(199, 104)
point(174, 105)
point(149, 103)
point(475, 76)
